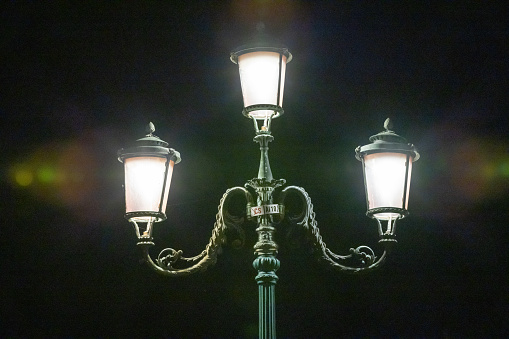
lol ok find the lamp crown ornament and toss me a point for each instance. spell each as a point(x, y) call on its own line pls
point(151, 139)
point(388, 134)
point(386, 164)
point(388, 124)
point(150, 128)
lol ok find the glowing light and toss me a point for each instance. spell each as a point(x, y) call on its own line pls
point(23, 177)
point(144, 179)
point(385, 181)
point(504, 168)
point(489, 171)
point(71, 174)
point(46, 174)
point(259, 78)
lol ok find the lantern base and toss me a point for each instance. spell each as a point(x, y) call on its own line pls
point(374, 213)
point(388, 239)
point(145, 241)
point(250, 111)
point(145, 216)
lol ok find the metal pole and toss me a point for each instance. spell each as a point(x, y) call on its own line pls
point(264, 171)
point(265, 248)
point(267, 264)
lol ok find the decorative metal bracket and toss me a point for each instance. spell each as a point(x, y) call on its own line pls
point(364, 255)
point(169, 258)
point(267, 214)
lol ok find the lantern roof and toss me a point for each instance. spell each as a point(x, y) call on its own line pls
point(149, 145)
point(388, 135)
point(150, 139)
point(261, 42)
point(387, 141)
point(259, 47)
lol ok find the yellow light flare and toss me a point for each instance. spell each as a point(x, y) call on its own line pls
point(23, 177)
point(504, 168)
point(46, 174)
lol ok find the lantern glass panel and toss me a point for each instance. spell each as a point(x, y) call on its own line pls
point(385, 181)
point(144, 180)
point(259, 78)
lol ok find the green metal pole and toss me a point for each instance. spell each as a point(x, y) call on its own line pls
point(265, 248)
point(264, 171)
point(266, 279)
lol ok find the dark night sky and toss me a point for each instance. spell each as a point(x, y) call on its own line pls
point(81, 80)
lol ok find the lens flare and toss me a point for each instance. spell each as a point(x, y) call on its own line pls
point(46, 174)
point(73, 174)
point(23, 177)
point(504, 168)
point(476, 174)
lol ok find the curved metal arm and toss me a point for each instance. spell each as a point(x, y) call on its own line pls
point(164, 264)
point(306, 219)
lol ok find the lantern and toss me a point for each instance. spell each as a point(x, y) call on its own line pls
point(262, 76)
point(148, 170)
point(387, 165)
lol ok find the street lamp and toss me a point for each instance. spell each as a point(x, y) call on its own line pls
point(386, 162)
point(387, 166)
point(148, 170)
point(262, 71)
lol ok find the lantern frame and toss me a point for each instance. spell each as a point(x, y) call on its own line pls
point(153, 147)
point(388, 142)
point(264, 47)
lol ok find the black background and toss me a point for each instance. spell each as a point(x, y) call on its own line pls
point(81, 80)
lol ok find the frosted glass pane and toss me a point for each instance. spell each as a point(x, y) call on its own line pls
point(259, 78)
point(144, 179)
point(168, 183)
point(385, 181)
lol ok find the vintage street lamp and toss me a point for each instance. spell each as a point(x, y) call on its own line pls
point(387, 164)
point(262, 71)
point(148, 170)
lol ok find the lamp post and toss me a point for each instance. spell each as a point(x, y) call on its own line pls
point(386, 162)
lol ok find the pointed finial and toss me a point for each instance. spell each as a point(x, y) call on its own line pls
point(150, 128)
point(388, 124)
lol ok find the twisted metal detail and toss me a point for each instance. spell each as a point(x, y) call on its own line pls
point(306, 219)
point(169, 257)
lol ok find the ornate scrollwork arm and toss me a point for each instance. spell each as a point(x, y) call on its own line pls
point(306, 219)
point(169, 258)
